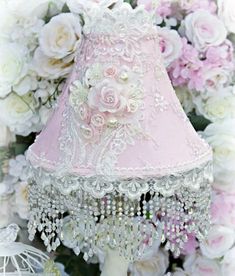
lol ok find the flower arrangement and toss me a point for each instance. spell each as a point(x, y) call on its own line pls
point(38, 46)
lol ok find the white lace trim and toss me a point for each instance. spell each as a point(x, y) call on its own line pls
point(98, 186)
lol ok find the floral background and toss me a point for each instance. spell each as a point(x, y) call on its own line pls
point(38, 42)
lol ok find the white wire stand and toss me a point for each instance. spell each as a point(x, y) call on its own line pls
point(18, 259)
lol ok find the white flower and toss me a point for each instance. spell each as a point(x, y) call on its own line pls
point(61, 36)
point(5, 210)
point(226, 11)
point(19, 113)
point(228, 264)
point(221, 137)
point(18, 168)
point(13, 66)
point(44, 114)
point(216, 78)
point(155, 266)
point(220, 239)
point(21, 200)
point(201, 31)
point(39, 8)
point(170, 45)
point(218, 106)
point(185, 98)
point(25, 85)
point(6, 137)
point(49, 67)
point(196, 265)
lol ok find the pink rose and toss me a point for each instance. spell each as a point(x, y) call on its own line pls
point(223, 209)
point(84, 113)
point(170, 45)
point(106, 97)
point(110, 71)
point(86, 131)
point(97, 120)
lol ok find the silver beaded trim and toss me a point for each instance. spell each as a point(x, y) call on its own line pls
point(119, 220)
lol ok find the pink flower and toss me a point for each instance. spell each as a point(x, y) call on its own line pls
point(98, 120)
point(193, 5)
point(223, 209)
point(110, 71)
point(164, 8)
point(84, 112)
point(187, 69)
point(190, 246)
point(106, 97)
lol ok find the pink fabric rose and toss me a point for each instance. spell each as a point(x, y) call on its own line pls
point(98, 120)
point(106, 97)
point(84, 112)
point(110, 71)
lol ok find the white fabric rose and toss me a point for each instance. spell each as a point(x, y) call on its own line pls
point(170, 45)
point(196, 265)
point(13, 66)
point(155, 266)
point(61, 36)
point(6, 137)
point(228, 264)
point(220, 239)
point(221, 137)
point(199, 27)
point(226, 11)
point(18, 113)
point(49, 67)
point(217, 106)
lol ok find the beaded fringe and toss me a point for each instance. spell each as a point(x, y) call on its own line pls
point(115, 220)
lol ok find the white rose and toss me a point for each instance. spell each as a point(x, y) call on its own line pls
point(61, 36)
point(228, 264)
point(45, 114)
point(221, 137)
point(226, 11)
point(196, 265)
point(21, 200)
point(6, 137)
point(13, 66)
point(200, 29)
point(220, 239)
point(5, 210)
point(19, 113)
point(39, 8)
point(218, 106)
point(170, 45)
point(185, 98)
point(49, 67)
point(155, 266)
point(216, 78)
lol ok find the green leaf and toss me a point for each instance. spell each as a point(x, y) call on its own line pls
point(199, 122)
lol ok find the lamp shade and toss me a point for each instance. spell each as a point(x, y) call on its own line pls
point(119, 154)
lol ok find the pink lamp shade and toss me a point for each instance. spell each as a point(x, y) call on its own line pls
point(119, 154)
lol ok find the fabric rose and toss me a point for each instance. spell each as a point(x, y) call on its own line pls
point(228, 264)
point(170, 45)
point(94, 74)
point(196, 265)
point(19, 114)
point(220, 239)
point(193, 5)
point(61, 36)
point(226, 11)
point(219, 105)
point(155, 266)
point(13, 66)
point(199, 28)
point(107, 97)
point(49, 67)
point(221, 137)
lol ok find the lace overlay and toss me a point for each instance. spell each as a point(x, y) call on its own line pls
point(111, 103)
